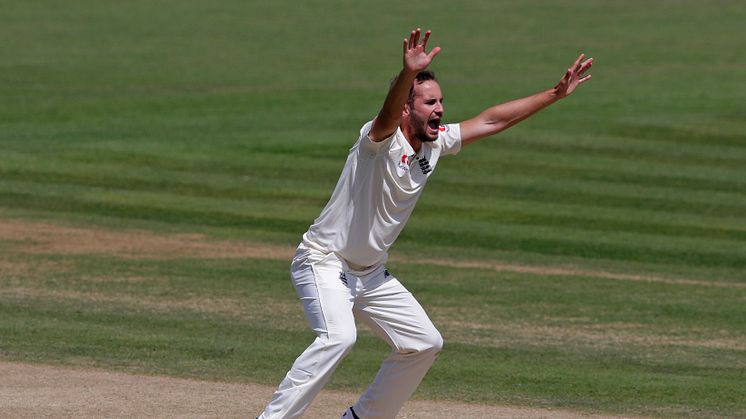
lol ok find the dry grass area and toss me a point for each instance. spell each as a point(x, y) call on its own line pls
point(37, 237)
point(605, 336)
point(33, 391)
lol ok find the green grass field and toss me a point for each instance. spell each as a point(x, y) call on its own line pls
point(232, 120)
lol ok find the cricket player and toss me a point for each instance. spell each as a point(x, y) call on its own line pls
point(339, 268)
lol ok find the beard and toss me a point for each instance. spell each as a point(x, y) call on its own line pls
point(420, 126)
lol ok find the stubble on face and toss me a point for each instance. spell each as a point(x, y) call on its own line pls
point(419, 126)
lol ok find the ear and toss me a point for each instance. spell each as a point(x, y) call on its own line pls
point(406, 110)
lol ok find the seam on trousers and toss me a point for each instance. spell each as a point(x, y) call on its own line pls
point(321, 302)
point(326, 327)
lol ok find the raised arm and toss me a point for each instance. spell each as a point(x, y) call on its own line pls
point(503, 116)
point(415, 59)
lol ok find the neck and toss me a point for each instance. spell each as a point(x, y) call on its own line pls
point(411, 139)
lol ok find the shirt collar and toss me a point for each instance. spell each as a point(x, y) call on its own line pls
point(405, 144)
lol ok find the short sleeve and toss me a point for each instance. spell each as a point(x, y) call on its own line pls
point(372, 147)
point(449, 137)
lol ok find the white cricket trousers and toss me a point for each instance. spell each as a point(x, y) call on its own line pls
point(332, 297)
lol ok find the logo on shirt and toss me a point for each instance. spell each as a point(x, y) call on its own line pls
point(424, 165)
point(404, 162)
point(443, 128)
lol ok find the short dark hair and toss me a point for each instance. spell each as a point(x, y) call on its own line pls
point(425, 75)
point(420, 78)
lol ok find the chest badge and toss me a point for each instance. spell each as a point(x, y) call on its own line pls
point(403, 162)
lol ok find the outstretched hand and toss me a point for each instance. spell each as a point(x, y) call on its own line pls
point(573, 77)
point(416, 57)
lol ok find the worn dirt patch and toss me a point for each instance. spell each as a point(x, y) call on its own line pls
point(41, 238)
point(34, 391)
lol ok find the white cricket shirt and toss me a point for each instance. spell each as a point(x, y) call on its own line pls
point(375, 195)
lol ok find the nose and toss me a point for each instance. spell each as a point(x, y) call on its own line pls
point(439, 109)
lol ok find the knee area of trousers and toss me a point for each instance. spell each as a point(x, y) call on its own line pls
point(435, 342)
point(343, 341)
point(430, 344)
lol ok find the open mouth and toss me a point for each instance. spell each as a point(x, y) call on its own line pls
point(433, 124)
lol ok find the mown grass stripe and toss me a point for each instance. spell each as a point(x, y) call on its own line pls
point(585, 249)
point(653, 156)
point(595, 196)
point(506, 162)
point(145, 212)
point(589, 222)
point(487, 204)
point(617, 174)
point(677, 135)
point(226, 162)
point(226, 188)
point(510, 153)
point(619, 146)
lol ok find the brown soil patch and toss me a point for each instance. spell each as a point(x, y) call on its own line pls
point(39, 238)
point(34, 391)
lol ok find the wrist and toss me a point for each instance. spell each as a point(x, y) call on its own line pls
point(408, 73)
point(554, 94)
